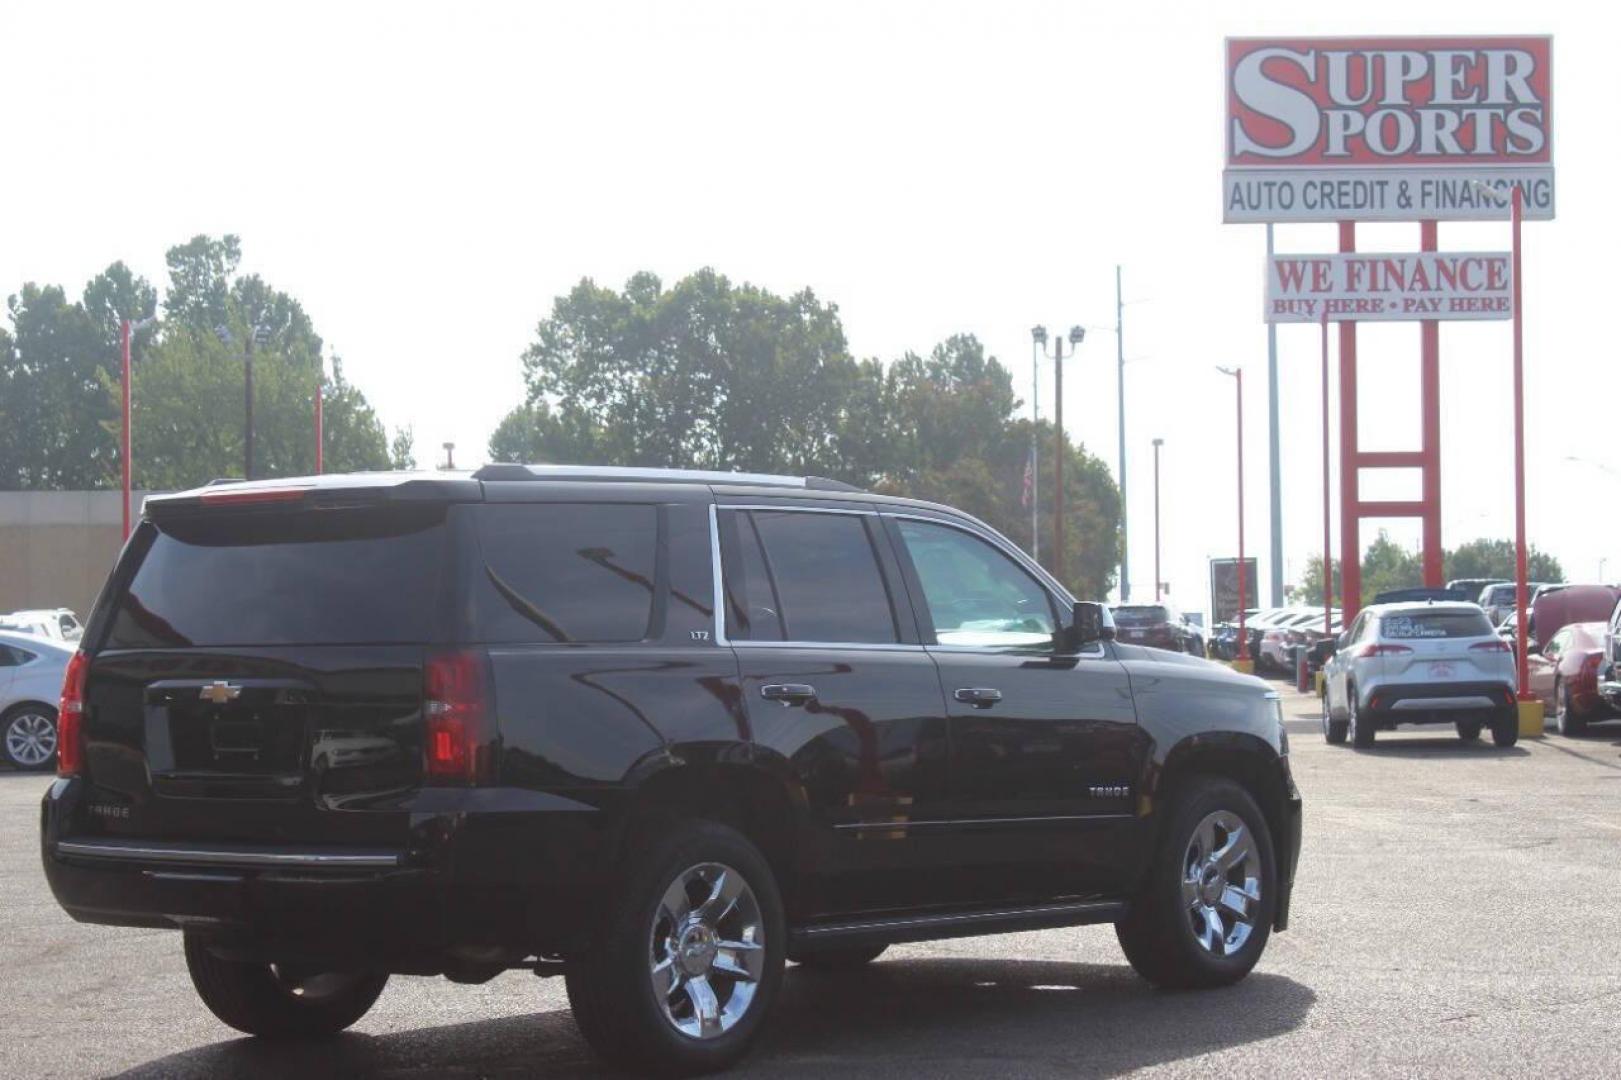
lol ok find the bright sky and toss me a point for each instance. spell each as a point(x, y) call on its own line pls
point(427, 179)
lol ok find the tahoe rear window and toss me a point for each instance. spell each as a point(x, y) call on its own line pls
point(319, 577)
point(1435, 624)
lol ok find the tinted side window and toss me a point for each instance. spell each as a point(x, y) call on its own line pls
point(826, 577)
point(977, 595)
point(566, 572)
point(9, 657)
point(756, 612)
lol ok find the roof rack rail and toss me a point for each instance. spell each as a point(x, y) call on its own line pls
point(509, 471)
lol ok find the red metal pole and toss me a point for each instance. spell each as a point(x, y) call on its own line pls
point(320, 431)
point(1350, 516)
point(1430, 399)
point(123, 440)
point(1521, 599)
point(1328, 536)
point(1058, 462)
point(1243, 600)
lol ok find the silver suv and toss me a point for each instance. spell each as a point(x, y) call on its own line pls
point(1429, 663)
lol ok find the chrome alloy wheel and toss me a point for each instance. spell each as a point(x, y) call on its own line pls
point(30, 739)
point(1221, 883)
point(707, 950)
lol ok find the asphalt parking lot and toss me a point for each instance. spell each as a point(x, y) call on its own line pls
point(1457, 914)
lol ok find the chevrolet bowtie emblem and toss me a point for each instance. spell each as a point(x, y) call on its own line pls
point(218, 693)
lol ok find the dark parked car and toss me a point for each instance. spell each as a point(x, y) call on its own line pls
point(657, 732)
point(1160, 626)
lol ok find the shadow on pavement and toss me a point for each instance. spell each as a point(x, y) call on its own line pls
point(907, 1017)
point(1443, 747)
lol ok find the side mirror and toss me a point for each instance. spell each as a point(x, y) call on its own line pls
point(1089, 622)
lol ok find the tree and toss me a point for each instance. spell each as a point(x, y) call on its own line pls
point(1485, 558)
point(59, 381)
point(402, 450)
point(1310, 590)
point(708, 374)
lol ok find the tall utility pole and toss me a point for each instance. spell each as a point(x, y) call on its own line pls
point(1120, 367)
point(1277, 459)
point(1158, 581)
point(247, 430)
point(1039, 336)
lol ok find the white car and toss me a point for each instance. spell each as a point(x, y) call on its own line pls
point(1420, 663)
point(31, 670)
point(57, 623)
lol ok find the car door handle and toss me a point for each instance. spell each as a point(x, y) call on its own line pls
point(788, 693)
point(980, 697)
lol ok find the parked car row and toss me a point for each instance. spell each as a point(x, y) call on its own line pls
point(1273, 634)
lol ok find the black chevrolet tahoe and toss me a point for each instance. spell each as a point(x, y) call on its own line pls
point(658, 732)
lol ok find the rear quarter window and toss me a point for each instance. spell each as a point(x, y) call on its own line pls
point(566, 572)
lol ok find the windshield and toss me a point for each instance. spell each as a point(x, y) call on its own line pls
point(1140, 615)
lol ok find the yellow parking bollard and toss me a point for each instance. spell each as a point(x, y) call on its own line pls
point(1244, 667)
point(1531, 719)
point(1320, 681)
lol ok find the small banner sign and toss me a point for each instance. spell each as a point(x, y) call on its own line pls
point(1403, 287)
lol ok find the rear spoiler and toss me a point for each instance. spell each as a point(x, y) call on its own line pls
point(315, 493)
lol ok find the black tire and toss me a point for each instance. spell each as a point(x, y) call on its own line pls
point(1506, 730)
point(1333, 730)
point(611, 990)
point(276, 1002)
point(27, 731)
point(1361, 728)
point(1469, 730)
point(838, 959)
point(1158, 934)
point(1567, 720)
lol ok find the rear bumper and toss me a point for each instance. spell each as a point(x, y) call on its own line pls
point(457, 894)
point(1438, 703)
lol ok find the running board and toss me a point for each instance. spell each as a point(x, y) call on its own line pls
point(894, 929)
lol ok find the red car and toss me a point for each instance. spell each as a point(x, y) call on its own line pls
point(1565, 676)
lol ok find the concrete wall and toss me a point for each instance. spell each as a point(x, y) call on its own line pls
point(57, 547)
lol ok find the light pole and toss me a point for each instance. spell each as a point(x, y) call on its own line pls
point(1039, 336)
point(1243, 599)
point(1157, 579)
point(320, 419)
point(257, 335)
point(126, 331)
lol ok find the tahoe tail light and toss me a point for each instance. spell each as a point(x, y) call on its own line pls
point(1383, 649)
point(1494, 645)
point(70, 717)
point(459, 717)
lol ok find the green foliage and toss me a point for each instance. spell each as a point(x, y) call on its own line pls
point(1309, 592)
point(707, 374)
point(402, 449)
point(1485, 558)
point(1387, 565)
point(59, 381)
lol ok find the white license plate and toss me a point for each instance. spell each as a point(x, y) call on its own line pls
point(1442, 669)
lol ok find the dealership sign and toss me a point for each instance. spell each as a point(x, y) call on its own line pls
point(1390, 288)
point(1387, 129)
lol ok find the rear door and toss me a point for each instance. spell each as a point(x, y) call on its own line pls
point(1045, 747)
point(259, 669)
point(842, 699)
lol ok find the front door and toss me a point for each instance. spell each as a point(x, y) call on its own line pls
point(841, 698)
point(1045, 748)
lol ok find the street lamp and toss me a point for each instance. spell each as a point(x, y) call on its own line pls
point(1039, 337)
point(257, 336)
point(125, 332)
point(1157, 579)
point(1243, 600)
